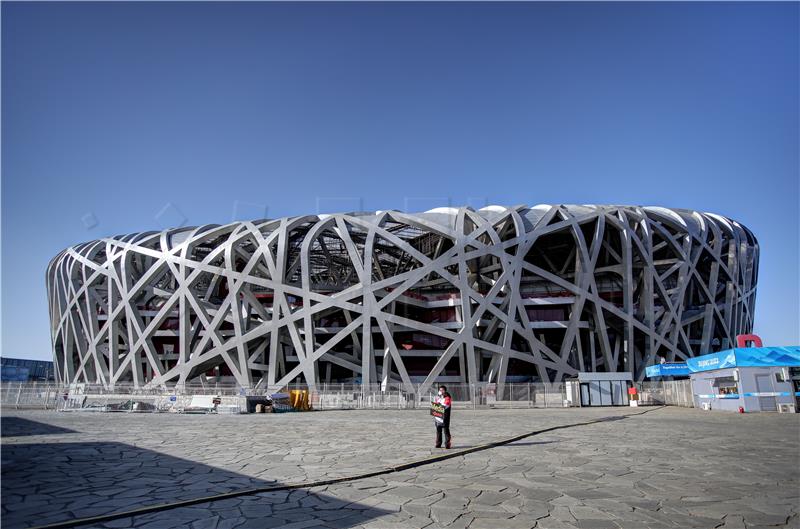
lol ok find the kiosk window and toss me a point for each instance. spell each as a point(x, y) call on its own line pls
point(726, 385)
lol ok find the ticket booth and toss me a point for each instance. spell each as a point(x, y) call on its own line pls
point(746, 379)
point(599, 389)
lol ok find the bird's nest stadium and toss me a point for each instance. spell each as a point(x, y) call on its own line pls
point(449, 295)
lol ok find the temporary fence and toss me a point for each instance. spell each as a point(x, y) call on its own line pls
point(35, 395)
point(234, 399)
point(669, 392)
point(346, 396)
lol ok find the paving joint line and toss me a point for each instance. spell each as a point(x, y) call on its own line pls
point(321, 483)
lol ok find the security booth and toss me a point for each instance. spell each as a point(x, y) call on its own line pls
point(746, 379)
point(599, 389)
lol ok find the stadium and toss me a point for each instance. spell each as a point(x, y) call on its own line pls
point(453, 295)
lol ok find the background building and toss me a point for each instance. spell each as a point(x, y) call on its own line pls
point(450, 295)
point(24, 370)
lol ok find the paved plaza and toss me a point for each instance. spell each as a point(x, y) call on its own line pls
point(668, 468)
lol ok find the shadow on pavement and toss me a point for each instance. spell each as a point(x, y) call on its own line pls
point(611, 419)
point(53, 482)
point(528, 443)
point(18, 427)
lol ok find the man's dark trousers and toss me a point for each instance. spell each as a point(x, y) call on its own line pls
point(439, 429)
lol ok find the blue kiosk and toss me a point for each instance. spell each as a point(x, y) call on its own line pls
point(751, 378)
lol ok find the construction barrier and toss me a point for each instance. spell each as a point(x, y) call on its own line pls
point(235, 399)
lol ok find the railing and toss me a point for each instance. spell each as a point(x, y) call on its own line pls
point(345, 396)
point(36, 395)
point(20, 395)
point(669, 392)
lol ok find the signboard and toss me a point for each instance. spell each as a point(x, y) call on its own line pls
point(712, 361)
point(746, 357)
point(437, 410)
point(668, 370)
point(767, 356)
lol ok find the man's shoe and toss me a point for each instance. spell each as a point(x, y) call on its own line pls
point(437, 446)
point(448, 445)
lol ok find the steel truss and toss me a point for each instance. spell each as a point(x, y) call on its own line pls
point(494, 295)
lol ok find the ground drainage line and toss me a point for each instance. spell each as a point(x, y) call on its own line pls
point(387, 470)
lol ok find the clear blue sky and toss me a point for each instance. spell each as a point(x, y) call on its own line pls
point(128, 117)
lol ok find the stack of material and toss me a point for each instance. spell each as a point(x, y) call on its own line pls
point(259, 404)
point(202, 404)
point(131, 405)
point(281, 403)
point(299, 400)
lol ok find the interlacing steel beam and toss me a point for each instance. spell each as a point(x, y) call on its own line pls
point(450, 295)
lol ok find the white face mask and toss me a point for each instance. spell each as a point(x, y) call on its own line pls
point(441, 392)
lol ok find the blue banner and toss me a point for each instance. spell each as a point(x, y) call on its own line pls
point(668, 370)
point(746, 357)
point(768, 356)
point(712, 361)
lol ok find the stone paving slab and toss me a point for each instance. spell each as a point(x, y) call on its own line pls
point(668, 468)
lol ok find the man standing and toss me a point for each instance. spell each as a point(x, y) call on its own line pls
point(441, 416)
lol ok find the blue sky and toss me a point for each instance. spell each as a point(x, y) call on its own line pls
point(123, 117)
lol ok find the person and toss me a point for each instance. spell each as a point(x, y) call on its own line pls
point(442, 420)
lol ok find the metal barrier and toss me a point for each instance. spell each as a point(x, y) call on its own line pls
point(30, 395)
point(669, 392)
point(95, 397)
point(465, 396)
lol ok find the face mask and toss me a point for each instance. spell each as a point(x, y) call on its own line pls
point(441, 392)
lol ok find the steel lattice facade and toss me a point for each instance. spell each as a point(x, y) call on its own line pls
point(453, 294)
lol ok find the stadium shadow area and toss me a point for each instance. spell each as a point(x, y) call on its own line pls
point(18, 427)
point(45, 483)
